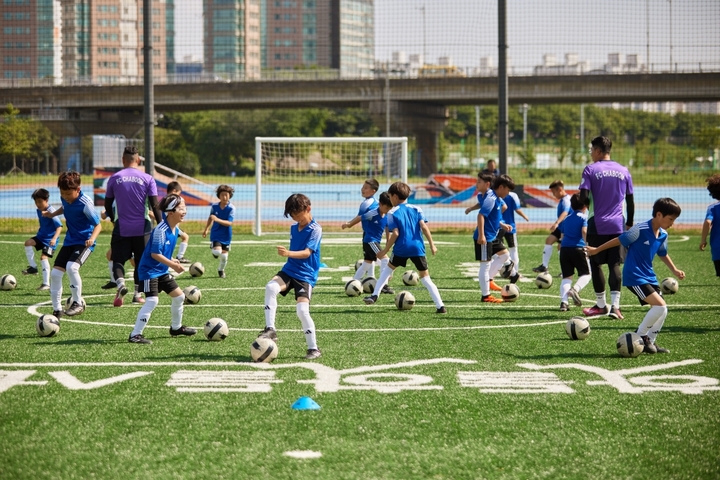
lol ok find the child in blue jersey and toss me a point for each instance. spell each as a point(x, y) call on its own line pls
point(572, 253)
point(154, 275)
point(563, 210)
point(45, 239)
point(83, 227)
point(710, 225)
point(300, 272)
point(643, 241)
point(221, 218)
point(490, 250)
point(406, 226)
point(503, 186)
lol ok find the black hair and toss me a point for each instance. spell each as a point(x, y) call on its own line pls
point(130, 150)
point(666, 206)
point(401, 189)
point(296, 203)
point(172, 186)
point(170, 203)
point(714, 186)
point(384, 199)
point(603, 144)
point(69, 180)
point(501, 180)
point(41, 193)
point(372, 183)
point(225, 188)
point(486, 177)
point(576, 203)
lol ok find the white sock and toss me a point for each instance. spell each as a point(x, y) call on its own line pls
point(272, 288)
point(497, 263)
point(216, 252)
point(176, 310)
point(515, 258)
point(30, 254)
point(653, 322)
point(73, 273)
point(110, 268)
point(434, 293)
point(371, 272)
point(600, 302)
point(582, 283)
point(45, 271)
point(365, 267)
point(564, 289)
point(56, 288)
point(182, 249)
point(547, 252)
point(385, 275)
point(303, 313)
point(223, 261)
point(143, 316)
point(484, 278)
point(615, 299)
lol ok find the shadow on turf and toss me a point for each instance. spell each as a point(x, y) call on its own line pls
point(82, 341)
point(203, 356)
point(573, 355)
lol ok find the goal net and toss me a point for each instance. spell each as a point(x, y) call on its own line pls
point(330, 171)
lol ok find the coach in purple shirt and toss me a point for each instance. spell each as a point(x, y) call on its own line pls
point(607, 184)
point(133, 191)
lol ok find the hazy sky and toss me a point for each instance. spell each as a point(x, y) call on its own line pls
point(466, 30)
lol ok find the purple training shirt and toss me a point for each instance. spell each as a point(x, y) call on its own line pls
point(608, 183)
point(131, 188)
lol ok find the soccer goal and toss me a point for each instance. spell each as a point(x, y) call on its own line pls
point(330, 171)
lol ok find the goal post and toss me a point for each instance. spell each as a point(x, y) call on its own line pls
point(329, 170)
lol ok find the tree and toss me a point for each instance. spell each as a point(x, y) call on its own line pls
point(15, 136)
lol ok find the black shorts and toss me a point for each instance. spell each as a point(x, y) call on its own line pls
point(419, 262)
point(370, 250)
point(72, 253)
point(509, 238)
point(124, 248)
point(302, 289)
point(484, 253)
point(717, 267)
point(611, 256)
point(225, 247)
point(557, 233)
point(153, 286)
point(47, 250)
point(645, 290)
point(572, 259)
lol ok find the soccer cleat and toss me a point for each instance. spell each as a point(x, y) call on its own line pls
point(595, 310)
point(121, 292)
point(138, 299)
point(649, 345)
point(615, 313)
point(183, 330)
point(494, 286)
point(660, 349)
point(387, 289)
point(507, 269)
point(370, 300)
point(57, 314)
point(491, 299)
point(441, 310)
point(563, 307)
point(75, 309)
point(183, 260)
point(269, 333)
point(221, 273)
point(30, 271)
point(44, 286)
point(514, 278)
point(139, 339)
point(540, 269)
point(109, 286)
point(312, 354)
point(575, 296)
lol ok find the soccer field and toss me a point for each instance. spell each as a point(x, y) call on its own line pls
point(486, 391)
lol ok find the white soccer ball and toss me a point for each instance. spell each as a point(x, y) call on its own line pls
point(577, 328)
point(410, 278)
point(368, 284)
point(8, 282)
point(404, 300)
point(630, 344)
point(47, 325)
point(263, 350)
point(506, 269)
point(196, 269)
point(543, 280)
point(216, 330)
point(69, 301)
point(510, 292)
point(358, 264)
point(669, 286)
point(192, 294)
point(353, 288)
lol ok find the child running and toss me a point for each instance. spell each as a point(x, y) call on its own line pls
point(45, 239)
point(221, 218)
point(563, 209)
point(572, 253)
point(710, 224)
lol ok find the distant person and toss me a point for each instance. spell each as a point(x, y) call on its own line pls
point(222, 215)
point(710, 225)
point(491, 168)
point(563, 210)
point(44, 240)
point(572, 253)
point(606, 185)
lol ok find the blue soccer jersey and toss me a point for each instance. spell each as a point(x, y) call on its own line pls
point(571, 229)
point(713, 212)
point(162, 241)
point(305, 269)
point(642, 246)
point(221, 233)
point(374, 224)
point(406, 218)
point(512, 201)
point(369, 230)
point(81, 219)
point(491, 208)
point(563, 205)
point(47, 226)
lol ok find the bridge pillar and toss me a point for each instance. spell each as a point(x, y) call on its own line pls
point(424, 121)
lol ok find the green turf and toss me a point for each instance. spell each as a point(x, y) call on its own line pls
point(143, 427)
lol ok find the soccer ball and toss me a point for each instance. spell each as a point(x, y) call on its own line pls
point(630, 344)
point(358, 264)
point(263, 350)
point(8, 282)
point(196, 269)
point(543, 280)
point(577, 328)
point(192, 294)
point(353, 288)
point(404, 300)
point(69, 302)
point(216, 330)
point(510, 292)
point(506, 269)
point(410, 278)
point(47, 325)
point(368, 284)
point(669, 286)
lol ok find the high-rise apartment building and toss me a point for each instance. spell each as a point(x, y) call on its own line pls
point(353, 32)
point(232, 38)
